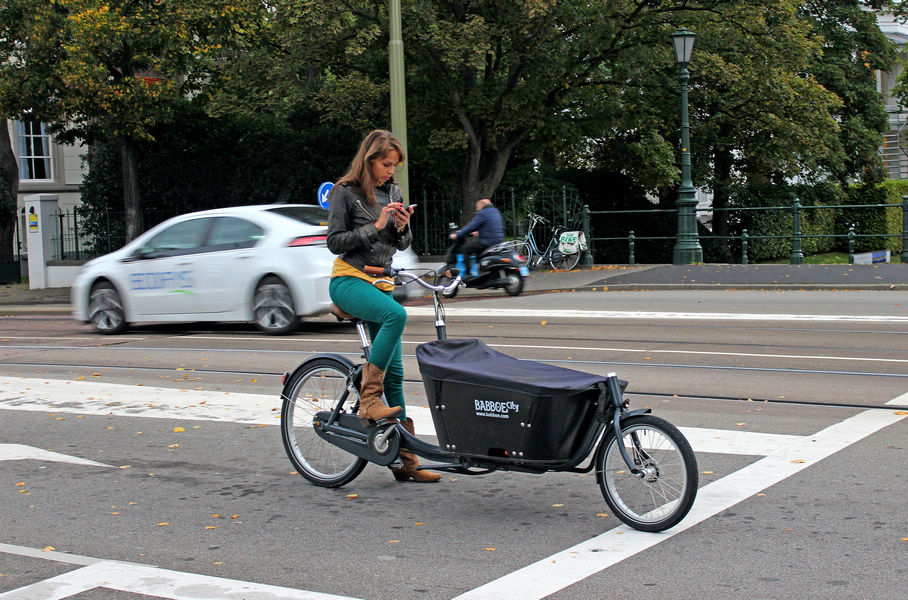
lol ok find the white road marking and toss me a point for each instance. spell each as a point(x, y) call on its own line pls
point(22, 452)
point(499, 313)
point(97, 398)
point(147, 581)
point(567, 567)
point(811, 357)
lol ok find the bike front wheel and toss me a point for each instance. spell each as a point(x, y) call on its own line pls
point(565, 261)
point(319, 386)
point(526, 251)
point(663, 492)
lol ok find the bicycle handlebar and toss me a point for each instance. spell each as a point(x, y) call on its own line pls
point(536, 217)
point(398, 272)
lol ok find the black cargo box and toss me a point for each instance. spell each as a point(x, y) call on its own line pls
point(488, 404)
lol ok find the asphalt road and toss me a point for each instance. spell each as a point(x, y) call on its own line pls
point(795, 403)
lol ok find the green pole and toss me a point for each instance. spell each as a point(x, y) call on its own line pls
point(851, 235)
point(398, 96)
point(687, 248)
point(586, 259)
point(904, 255)
point(797, 257)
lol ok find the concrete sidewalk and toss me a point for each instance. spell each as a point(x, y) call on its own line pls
point(727, 276)
point(619, 277)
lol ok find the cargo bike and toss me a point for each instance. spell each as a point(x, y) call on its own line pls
point(492, 412)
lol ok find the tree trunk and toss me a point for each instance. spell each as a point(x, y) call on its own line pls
point(9, 191)
point(132, 201)
point(483, 170)
point(722, 162)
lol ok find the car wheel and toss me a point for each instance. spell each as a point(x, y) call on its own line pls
point(272, 307)
point(105, 309)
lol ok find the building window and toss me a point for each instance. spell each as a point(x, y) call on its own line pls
point(34, 152)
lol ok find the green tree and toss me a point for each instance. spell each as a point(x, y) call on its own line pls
point(486, 79)
point(99, 70)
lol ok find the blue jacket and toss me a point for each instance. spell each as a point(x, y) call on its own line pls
point(490, 225)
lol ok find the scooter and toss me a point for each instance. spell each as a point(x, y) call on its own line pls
point(497, 267)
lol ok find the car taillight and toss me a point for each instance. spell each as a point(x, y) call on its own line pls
point(308, 240)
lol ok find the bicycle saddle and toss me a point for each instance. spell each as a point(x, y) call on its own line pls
point(340, 314)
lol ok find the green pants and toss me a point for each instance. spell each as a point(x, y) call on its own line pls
point(386, 320)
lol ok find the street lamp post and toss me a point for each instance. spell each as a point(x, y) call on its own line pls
point(687, 248)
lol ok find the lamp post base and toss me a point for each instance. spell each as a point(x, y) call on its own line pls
point(687, 256)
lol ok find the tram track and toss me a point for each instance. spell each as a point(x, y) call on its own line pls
point(416, 381)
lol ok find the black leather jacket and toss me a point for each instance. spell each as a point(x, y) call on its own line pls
point(351, 227)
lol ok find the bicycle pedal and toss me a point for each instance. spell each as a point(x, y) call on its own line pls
point(379, 423)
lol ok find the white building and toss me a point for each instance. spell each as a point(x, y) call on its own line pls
point(895, 142)
point(45, 167)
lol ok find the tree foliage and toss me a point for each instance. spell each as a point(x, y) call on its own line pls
point(99, 70)
point(782, 91)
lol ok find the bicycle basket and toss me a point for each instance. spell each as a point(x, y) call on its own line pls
point(488, 404)
point(571, 242)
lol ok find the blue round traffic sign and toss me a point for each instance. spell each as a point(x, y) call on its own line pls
point(324, 190)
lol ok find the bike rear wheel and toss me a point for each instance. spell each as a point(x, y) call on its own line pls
point(666, 491)
point(318, 386)
point(565, 261)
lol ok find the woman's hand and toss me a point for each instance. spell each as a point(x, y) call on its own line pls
point(402, 216)
point(387, 212)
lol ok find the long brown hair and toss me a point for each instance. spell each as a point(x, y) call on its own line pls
point(374, 147)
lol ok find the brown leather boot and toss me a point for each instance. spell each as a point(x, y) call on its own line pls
point(411, 462)
point(371, 408)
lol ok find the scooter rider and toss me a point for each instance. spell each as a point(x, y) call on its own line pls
point(486, 229)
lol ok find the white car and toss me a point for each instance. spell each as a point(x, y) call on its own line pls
point(266, 264)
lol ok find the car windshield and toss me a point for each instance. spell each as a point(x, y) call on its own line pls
point(311, 215)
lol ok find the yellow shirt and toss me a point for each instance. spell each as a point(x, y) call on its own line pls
point(342, 269)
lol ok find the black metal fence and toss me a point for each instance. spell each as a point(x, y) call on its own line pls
point(795, 238)
point(72, 241)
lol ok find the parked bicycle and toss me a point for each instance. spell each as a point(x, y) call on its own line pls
point(492, 412)
point(562, 252)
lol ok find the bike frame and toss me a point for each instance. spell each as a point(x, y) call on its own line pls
point(530, 240)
